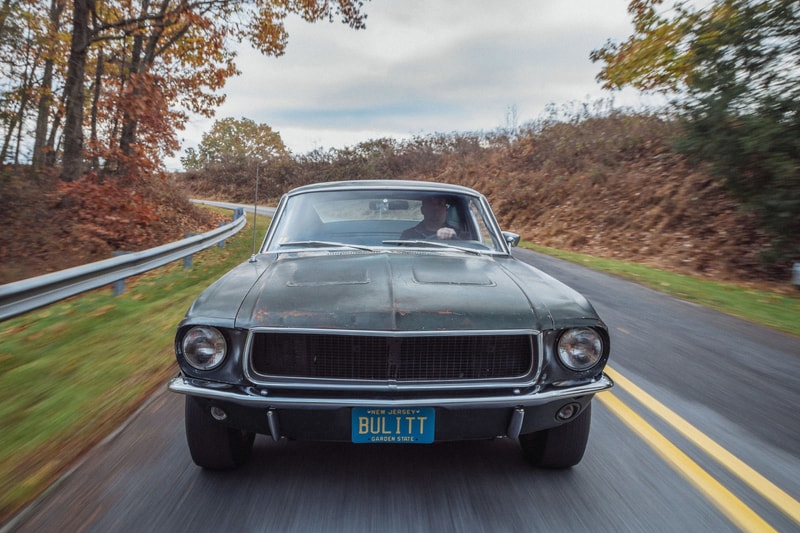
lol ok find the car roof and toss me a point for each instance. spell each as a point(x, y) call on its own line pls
point(384, 185)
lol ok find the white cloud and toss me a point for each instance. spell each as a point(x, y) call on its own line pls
point(422, 67)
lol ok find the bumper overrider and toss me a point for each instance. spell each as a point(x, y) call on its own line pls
point(458, 417)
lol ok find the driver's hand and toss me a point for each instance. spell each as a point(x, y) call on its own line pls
point(445, 233)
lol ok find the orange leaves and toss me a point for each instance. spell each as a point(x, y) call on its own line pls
point(153, 61)
point(148, 101)
point(107, 210)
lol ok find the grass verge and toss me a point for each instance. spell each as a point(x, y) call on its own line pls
point(72, 372)
point(777, 311)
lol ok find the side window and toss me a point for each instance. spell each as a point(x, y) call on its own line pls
point(454, 219)
point(484, 235)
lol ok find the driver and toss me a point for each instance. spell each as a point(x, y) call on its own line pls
point(434, 213)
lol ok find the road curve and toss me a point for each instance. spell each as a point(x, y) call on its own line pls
point(261, 210)
point(735, 383)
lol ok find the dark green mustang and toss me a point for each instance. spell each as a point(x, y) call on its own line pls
point(389, 312)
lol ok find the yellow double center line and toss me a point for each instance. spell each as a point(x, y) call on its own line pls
point(736, 510)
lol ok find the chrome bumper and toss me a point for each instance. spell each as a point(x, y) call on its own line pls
point(255, 398)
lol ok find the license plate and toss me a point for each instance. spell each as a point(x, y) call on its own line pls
point(413, 425)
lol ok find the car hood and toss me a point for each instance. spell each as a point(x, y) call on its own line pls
point(392, 291)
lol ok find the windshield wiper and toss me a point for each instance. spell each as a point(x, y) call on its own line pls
point(435, 244)
point(327, 244)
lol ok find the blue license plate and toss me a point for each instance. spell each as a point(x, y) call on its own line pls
point(412, 425)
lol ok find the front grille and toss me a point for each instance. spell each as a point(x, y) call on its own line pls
point(397, 358)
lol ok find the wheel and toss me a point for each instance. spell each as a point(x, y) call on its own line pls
point(214, 445)
point(558, 447)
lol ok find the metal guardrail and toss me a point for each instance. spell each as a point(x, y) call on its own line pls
point(28, 294)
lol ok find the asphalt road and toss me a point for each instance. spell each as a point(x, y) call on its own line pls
point(260, 209)
point(735, 386)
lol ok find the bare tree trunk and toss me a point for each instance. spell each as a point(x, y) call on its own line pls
point(11, 125)
point(42, 115)
point(5, 10)
point(46, 98)
point(98, 84)
point(129, 122)
point(73, 92)
point(50, 151)
point(20, 128)
point(17, 121)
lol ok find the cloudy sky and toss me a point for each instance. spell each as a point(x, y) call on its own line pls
point(424, 66)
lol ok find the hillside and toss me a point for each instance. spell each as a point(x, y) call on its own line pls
point(49, 225)
point(610, 187)
point(649, 206)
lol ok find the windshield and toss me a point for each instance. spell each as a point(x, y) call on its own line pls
point(384, 219)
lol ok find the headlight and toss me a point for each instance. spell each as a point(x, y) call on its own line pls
point(204, 347)
point(580, 348)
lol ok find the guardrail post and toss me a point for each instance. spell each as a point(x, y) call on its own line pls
point(796, 275)
point(119, 285)
point(187, 261)
point(238, 212)
point(221, 244)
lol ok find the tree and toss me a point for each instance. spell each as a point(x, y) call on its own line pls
point(235, 142)
point(45, 102)
point(733, 70)
point(753, 42)
point(74, 93)
point(29, 51)
point(155, 30)
point(654, 58)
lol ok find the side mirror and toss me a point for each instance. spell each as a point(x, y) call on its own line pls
point(511, 238)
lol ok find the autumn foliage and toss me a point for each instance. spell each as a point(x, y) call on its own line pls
point(108, 212)
point(602, 182)
point(730, 66)
point(104, 86)
point(50, 225)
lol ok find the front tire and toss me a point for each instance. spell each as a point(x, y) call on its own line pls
point(214, 445)
point(559, 447)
